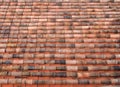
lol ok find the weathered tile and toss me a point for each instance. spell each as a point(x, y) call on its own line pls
point(7, 62)
point(60, 61)
point(84, 68)
point(2, 45)
point(2, 50)
point(28, 61)
point(17, 55)
point(3, 81)
point(72, 68)
point(59, 74)
point(83, 81)
point(59, 42)
point(61, 68)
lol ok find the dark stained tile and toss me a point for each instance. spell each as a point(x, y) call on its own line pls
point(60, 61)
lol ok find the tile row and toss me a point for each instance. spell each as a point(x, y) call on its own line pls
point(60, 68)
point(56, 25)
point(60, 1)
point(33, 27)
point(44, 21)
point(114, 36)
point(58, 45)
point(80, 62)
point(70, 81)
point(6, 24)
point(21, 42)
point(61, 50)
point(35, 11)
point(61, 74)
point(36, 33)
point(31, 9)
point(61, 55)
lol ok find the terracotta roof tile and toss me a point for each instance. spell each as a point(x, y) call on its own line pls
point(59, 42)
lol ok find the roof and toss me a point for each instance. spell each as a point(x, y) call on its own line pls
point(60, 43)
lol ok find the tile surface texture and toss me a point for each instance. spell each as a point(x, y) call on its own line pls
point(59, 43)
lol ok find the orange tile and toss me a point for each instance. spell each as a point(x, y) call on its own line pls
point(43, 86)
point(30, 85)
point(55, 86)
point(19, 85)
point(7, 85)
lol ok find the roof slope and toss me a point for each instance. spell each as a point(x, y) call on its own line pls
point(60, 42)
